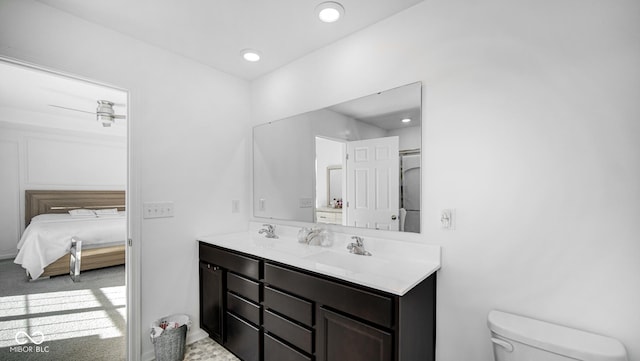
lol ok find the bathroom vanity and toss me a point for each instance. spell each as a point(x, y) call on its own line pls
point(276, 299)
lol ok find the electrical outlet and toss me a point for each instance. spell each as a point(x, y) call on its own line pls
point(157, 209)
point(448, 219)
point(306, 202)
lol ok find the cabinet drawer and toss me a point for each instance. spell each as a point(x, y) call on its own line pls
point(275, 350)
point(288, 331)
point(241, 307)
point(325, 217)
point(377, 308)
point(243, 265)
point(242, 286)
point(242, 339)
point(289, 305)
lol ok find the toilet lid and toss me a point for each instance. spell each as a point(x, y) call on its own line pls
point(562, 340)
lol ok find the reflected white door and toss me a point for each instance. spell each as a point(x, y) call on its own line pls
point(372, 170)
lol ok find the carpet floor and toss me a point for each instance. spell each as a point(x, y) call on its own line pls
point(58, 319)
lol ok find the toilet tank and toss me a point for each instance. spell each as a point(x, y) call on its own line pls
point(518, 338)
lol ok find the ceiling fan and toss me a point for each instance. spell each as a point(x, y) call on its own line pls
point(104, 113)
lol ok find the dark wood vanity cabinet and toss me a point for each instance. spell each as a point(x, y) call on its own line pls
point(275, 312)
point(230, 300)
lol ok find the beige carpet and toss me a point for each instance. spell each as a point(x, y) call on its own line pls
point(57, 319)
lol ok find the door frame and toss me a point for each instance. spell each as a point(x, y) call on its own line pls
point(132, 193)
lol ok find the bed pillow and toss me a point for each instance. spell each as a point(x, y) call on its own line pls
point(81, 212)
point(49, 217)
point(109, 211)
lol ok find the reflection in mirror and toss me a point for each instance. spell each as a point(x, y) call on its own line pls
point(329, 189)
point(355, 164)
point(334, 186)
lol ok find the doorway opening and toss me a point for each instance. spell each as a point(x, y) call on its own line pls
point(64, 155)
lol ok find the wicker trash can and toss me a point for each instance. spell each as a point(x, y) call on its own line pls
point(170, 344)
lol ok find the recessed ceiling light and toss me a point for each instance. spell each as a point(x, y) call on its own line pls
point(329, 11)
point(250, 55)
point(406, 120)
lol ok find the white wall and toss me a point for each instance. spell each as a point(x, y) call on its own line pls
point(190, 137)
point(531, 131)
point(38, 158)
point(10, 223)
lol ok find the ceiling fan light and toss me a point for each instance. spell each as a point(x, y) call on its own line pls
point(105, 113)
point(329, 11)
point(105, 119)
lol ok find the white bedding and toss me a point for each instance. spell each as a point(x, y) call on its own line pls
point(48, 237)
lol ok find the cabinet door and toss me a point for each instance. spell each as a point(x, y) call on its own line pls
point(342, 338)
point(211, 300)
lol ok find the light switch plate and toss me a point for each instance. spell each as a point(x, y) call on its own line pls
point(157, 209)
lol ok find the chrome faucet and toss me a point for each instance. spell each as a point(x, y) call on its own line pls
point(312, 236)
point(315, 236)
point(270, 231)
point(358, 247)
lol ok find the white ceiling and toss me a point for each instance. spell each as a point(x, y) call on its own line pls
point(27, 96)
point(213, 32)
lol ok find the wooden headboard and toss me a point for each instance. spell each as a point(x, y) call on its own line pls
point(44, 201)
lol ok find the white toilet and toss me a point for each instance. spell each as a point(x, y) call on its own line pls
point(518, 338)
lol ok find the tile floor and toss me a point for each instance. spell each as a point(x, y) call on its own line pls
point(208, 350)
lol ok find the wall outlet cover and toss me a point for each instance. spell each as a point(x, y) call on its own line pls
point(306, 202)
point(448, 219)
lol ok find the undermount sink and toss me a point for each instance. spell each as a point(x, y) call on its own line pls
point(348, 262)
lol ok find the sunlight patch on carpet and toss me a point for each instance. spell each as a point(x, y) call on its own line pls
point(63, 315)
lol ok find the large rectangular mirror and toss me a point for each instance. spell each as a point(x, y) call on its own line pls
point(355, 164)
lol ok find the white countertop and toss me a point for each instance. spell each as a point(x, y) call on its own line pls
point(394, 267)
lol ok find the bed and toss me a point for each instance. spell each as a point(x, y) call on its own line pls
point(55, 242)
